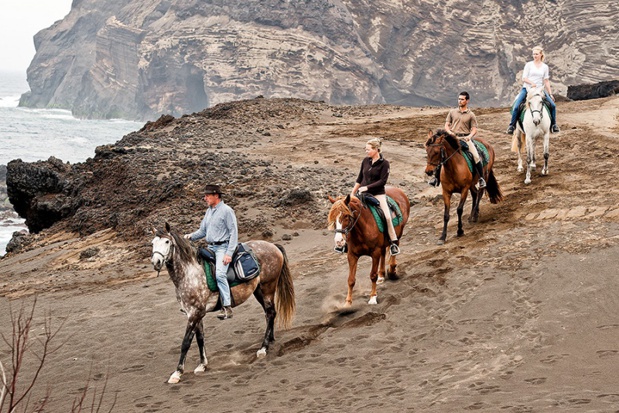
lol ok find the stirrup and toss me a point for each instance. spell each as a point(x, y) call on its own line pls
point(555, 129)
point(433, 182)
point(510, 130)
point(394, 249)
point(482, 183)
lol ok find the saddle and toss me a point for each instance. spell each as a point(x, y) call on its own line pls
point(243, 267)
point(481, 149)
point(369, 201)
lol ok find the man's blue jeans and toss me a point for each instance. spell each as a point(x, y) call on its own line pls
point(220, 272)
point(522, 96)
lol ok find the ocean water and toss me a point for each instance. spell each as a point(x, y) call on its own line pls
point(37, 134)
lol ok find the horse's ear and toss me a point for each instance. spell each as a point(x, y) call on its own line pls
point(332, 199)
point(167, 227)
point(347, 200)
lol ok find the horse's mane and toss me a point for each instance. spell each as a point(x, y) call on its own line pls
point(338, 207)
point(451, 140)
point(186, 252)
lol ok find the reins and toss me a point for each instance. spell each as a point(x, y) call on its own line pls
point(443, 159)
point(351, 226)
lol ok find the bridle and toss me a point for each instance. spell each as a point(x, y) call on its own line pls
point(444, 157)
point(166, 261)
point(351, 225)
point(541, 110)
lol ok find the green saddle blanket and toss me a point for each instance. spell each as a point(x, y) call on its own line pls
point(392, 206)
point(211, 282)
point(483, 154)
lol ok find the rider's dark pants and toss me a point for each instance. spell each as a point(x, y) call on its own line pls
point(522, 96)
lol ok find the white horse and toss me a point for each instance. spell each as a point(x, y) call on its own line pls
point(536, 123)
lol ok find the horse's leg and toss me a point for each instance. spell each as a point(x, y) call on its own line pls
point(447, 202)
point(352, 274)
point(189, 333)
point(520, 168)
point(269, 313)
point(530, 159)
point(546, 152)
point(460, 209)
point(391, 272)
point(200, 340)
point(381, 267)
point(376, 259)
point(475, 205)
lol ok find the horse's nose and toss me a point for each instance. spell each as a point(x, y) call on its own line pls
point(157, 264)
point(339, 240)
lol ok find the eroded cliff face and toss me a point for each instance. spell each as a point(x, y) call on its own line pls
point(142, 58)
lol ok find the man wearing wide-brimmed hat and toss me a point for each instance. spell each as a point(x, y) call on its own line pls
point(220, 231)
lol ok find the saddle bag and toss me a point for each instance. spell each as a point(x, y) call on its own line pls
point(245, 263)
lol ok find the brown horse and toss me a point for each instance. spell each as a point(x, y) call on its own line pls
point(273, 289)
point(444, 150)
point(356, 227)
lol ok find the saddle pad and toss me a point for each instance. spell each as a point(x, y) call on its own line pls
point(392, 206)
point(483, 154)
point(211, 282)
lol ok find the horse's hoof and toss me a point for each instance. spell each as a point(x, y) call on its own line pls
point(520, 169)
point(261, 353)
point(373, 300)
point(175, 377)
point(380, 280)
point(440, 242)
point(200, 369)
point(347, 304)
point(527, 181)
point(544, 172)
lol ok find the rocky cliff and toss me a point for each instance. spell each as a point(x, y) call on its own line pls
point(142, 58)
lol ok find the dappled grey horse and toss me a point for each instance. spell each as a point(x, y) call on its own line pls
point(273, 289)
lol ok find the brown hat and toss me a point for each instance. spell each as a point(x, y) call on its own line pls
point(212, 189)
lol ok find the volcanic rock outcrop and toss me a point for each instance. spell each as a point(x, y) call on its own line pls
point(139, 59)
point(158, 174)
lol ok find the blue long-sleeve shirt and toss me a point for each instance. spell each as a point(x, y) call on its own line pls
point(219, 224)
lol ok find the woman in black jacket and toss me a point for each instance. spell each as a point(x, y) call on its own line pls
point(372, 179)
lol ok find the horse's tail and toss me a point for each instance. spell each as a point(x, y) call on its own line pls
point(493, 189)
point(515, 144)
point(284, 294)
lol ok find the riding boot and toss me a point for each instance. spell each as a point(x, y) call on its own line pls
point(480, 171)
point(436, 179)
point(511, 128)
point(225, 313)
point(394, 249)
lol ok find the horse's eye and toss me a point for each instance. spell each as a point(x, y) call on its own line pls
point(167, 241)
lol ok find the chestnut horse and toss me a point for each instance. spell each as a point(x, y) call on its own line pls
point(273, 289)
point(456, 177)
point(356, 227)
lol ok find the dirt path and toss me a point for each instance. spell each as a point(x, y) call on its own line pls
point(519, 315)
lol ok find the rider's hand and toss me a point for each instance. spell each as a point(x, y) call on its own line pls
point(187, 236)
point(227, 259)
point(363, 189)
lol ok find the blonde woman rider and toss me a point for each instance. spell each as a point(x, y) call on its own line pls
point(535, 74)
point(372, 179)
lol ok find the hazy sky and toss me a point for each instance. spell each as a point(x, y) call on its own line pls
point(20, 20)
